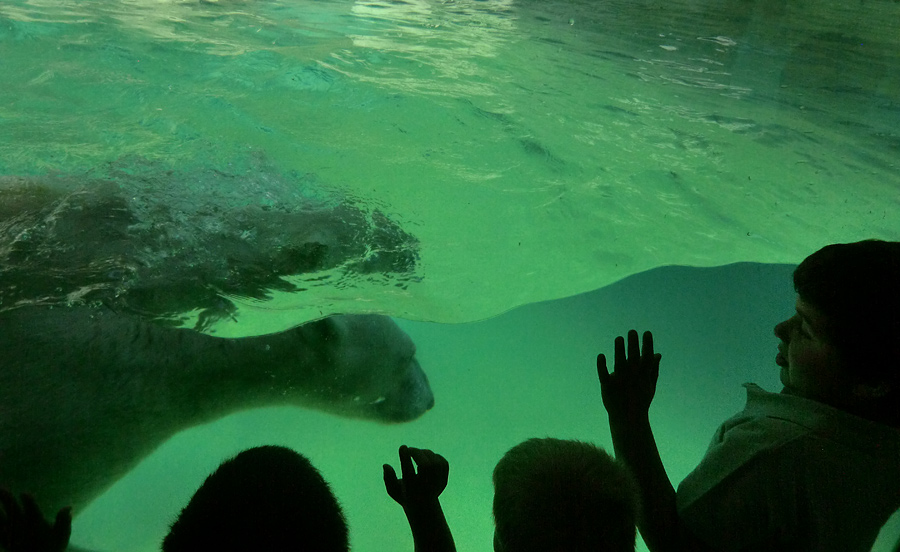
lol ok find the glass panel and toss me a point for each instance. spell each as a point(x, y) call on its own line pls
point(514, 182)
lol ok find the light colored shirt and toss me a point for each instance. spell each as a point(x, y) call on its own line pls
point(789, 473)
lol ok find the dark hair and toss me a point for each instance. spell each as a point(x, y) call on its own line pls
point(553, 494)
point(269, 499)
point(857, 287)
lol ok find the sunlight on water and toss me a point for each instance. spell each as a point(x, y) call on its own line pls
point(569, 144)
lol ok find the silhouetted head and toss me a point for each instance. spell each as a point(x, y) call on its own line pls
point(853, 290)
point(266, 499)
point(553, 495)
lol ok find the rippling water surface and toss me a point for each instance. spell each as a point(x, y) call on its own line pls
point(558, 145)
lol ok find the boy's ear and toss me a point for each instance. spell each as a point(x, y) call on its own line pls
point(872, 391)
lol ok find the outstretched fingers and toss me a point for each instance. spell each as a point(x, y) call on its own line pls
point(602, 370)
point(649, 359)
point(396, 487)
point(392, 484)
point(634, 349)
point(621, 360)
point(632, 357)
point(646, 346)
point(631, 384)
point(423, 477)
point(406, 464)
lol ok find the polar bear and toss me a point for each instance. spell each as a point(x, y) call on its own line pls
point(86, 393)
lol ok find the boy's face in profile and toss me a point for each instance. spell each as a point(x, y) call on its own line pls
point(810, 365)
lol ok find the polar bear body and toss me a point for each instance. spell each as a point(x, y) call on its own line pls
point(86, 393)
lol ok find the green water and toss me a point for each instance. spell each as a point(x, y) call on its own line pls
point(528, 373)
point(568, 144)
point(536, 149)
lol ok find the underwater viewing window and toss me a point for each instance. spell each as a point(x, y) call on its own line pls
point(513, 182)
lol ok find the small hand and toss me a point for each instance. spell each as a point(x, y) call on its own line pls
point(416, 489)
point(24, 529)
point(629, 390)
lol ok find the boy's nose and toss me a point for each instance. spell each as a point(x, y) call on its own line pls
point(780, 332)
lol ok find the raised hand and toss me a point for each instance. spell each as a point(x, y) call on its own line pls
point(24, 529)
point(418, 493)
point(417, 486)
point(629, 390)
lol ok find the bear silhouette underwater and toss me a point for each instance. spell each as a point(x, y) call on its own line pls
point(86, 394)
point(98, 270)
point(171, 245)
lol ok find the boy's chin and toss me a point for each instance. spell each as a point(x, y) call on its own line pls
point(787, 389)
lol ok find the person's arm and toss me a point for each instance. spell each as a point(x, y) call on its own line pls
point(418, 494)
point(24, 529)
point(627, 394)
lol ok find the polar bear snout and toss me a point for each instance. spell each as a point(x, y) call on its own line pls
point(411, 397)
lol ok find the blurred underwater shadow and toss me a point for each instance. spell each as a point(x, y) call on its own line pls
point(168, 244)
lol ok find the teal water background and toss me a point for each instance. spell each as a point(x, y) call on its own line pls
point(528, 373)
point(536, 149)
